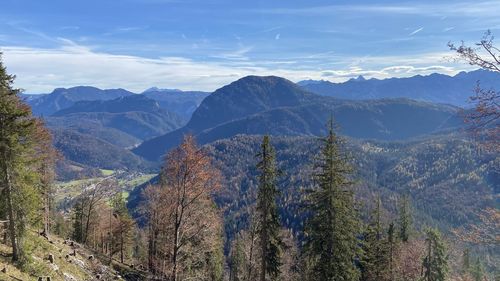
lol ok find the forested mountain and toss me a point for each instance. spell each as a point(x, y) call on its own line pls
point(436, 88)
point(136, 116)
point(180, 102)
point(276, 106)
point(94, 152)
point(447, 176)
point(63, 98)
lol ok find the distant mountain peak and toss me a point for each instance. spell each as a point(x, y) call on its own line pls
point(156, 89)
point(310, 81)
point(359, 78)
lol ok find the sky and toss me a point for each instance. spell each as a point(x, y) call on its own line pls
point(205, 44)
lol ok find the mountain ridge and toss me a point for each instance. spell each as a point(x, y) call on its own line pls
point(435, 87)
point(270, 104)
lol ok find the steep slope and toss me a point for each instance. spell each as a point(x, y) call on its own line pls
point(436, 88)
point(448, 179)
point(64, 267)
point(447, 176)
point(63, 98)
point(130, 119)
point(273, 105)
point(244, 97)
point(369, 120)
point(247, 96)
point(96, 153)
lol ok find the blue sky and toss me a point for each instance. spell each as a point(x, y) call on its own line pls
point(204, 44)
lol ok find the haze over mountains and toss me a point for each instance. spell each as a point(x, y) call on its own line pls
point(436, 88)
point(156, 120)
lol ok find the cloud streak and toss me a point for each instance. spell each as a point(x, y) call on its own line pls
point(416, 31)
point(451, 9)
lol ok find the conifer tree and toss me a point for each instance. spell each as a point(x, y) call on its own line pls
point(331, 244)
point(375, 262)
point(268, 218)
point(435, 263)
point(123, 232)
point(236, 260)
point(77, 234)
point(391, 240)
point(405, 219)
point(17, 134)
point(465, 261)
point(477, 270)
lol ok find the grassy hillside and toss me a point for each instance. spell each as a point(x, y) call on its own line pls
point(65, 267)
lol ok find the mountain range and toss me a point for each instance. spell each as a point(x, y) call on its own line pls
point(435, 88)
point(154, 121)
point(276, 106)
point(180, 102)
point(61, 98)
point(123, 122)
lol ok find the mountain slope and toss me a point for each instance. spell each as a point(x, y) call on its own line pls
point(130, 119)
point(248, 95)
point(94, 152)
point(436, 88)
point(62, 98)
point(65, 266)
point(273, 105)
point(447, 177)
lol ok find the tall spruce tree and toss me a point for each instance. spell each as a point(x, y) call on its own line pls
point(375, 262)
point(405, 218)
point(123, 231)
point(268, 217)
point(77, 233)
point(236, 260)
point(331, 230)
point(465, 261)
point(391, 240)
point(435, 263)
point(477, 270)
point(17, 178)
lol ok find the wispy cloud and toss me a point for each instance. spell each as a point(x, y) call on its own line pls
point(126, 29)
point(278, 36)
point(274, 28)
point(416, 31)
point(239, 54)
point(31, 31)
point(41, 70)
point(463, 8)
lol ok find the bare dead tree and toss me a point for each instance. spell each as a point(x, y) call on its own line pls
point(484, 120)
point(92, 197)
point(183, 222)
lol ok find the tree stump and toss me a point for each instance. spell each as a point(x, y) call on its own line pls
point(51, 258)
